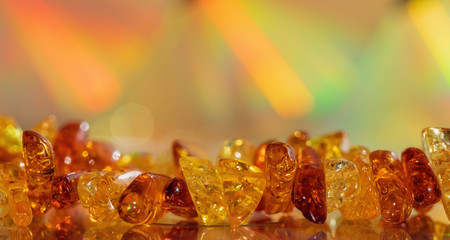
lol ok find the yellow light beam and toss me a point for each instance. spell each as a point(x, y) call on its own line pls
point(270, 71)
point(433, 24)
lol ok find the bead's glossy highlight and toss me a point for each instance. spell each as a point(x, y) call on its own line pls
point(309, 189)
point(420, 178)
point(40, 168)
point(238, 149)
point(365, 205)
point(280, 171)
point(68, 146)
point(243, 186)
point(395, 199)
point(436, 142)
point(177, 198)
point(342, 182)
point(141, 202)
point(206, 190)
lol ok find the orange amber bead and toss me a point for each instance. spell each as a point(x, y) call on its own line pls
point(47, 127)
point(298, 140)
point(260, 155)
point(309, 190)
point(97, 155)
point(64, 190)
point(332, 146)
point(40, 168)
point(141, 202)
point(68, 145)
point(395, 199)
point(179, 150)
point(280, 171)
point(420, 179)
point(177, 198)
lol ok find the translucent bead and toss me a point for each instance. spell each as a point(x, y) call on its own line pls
point(141, 202)
point(10, 136)
point(88, 186)
point(243, 186)
point(331, 146)
point(64, 190)
point(298, 140)
point(20, 208)
point(206, 190)
point(342, 182)
point(280, 171)
point(40, 168)
point(4, 201)
point(140, 161)
point(47, 127)
point(177, 198)
point(238, 149)
point(97, 156)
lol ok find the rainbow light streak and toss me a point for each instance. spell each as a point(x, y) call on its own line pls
point(60, 57)
point(433, 23)
point(270, 71)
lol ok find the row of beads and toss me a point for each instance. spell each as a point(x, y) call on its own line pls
point(316, 176)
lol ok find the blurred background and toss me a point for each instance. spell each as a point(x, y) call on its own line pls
point(207, 70)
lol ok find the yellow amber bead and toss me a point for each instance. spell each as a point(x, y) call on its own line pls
point(103, 206)
point(10, 135)
point(47, 127)
point(140, 161)
point(40, 168)
point(365, 205)
point(88, 186)
point(436, 142)
point(332, 146)
point(20, 208)
point(342, 182)
point(238, 149)
point(206, 190)
point(243, 186)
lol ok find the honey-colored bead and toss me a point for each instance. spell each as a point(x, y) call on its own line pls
point(13, 171)
point(280, 171)
point(206, 190)
point(436, 142)
point(365, 205)
point(260, 156)
point(395, 199)
point(309, 189)
point(103, 206)
point(332, 146)
point(68, 145)
point(10, 136)
point(298, 140)
point(179, 150)
point(342, 182)
point(141, 202)
point(88, 186)
point(140, 161)
point(4, 201)
point(97, 155)
point(243, 186)
point(238, 149)
point(64, 190)
point(47, 127)
point(177, 198)
point(20, 208)
point(420, 179)
point(40, 168)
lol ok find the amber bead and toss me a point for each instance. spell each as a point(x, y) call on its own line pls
point(308, 193)
point(333, 145)
point(395, 199)
point(103, 205)
point(298, 140)
point(40, 168)
point(243, 186)
point(141, 202)
point(68, 146)
point(47, 127)
point(365, 205)
point(20, 208)
point(420, 179)
point(238, 149)
point(88, 186)
point(10, 136)
point(177, 198)
point(97, 155)
point(141, 161)
point(4, 201)
point(179, 150)
point(260, 162)
point(64, 190)
point(436, 143)
point(206, 190)
point(280, 171)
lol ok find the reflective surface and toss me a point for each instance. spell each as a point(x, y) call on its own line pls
point(74, 223)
